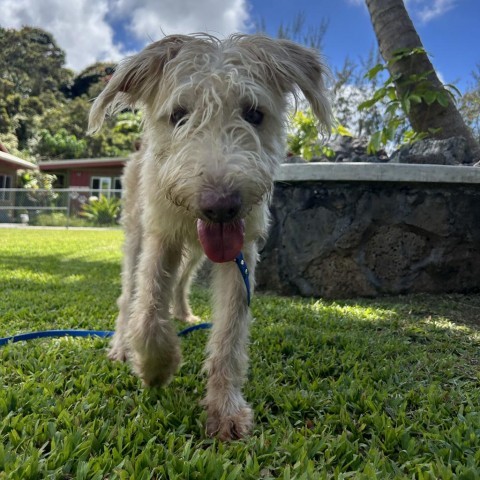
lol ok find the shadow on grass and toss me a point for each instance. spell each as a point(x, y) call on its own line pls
point(462, 310)
point(415, 332)
point(58, 265)
point(54, 291)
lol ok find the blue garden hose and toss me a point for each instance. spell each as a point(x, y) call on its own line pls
point(22, 337)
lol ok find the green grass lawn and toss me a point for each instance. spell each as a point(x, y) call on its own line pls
point(360, 389)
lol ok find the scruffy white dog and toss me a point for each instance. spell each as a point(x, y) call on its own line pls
point(214, 114)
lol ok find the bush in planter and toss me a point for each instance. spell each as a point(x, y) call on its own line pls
point(102, 210)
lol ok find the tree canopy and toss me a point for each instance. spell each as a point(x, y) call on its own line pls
point(31, 62)
point(44, 106)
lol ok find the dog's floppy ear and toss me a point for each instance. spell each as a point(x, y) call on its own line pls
point(134, 79)
point(289, 66)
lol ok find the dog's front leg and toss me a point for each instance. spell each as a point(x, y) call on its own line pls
point(229, 415)
point(153, 341)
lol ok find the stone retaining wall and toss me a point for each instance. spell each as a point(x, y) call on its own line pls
point(347, 230)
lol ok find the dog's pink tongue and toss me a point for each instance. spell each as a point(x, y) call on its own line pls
point(221, 242)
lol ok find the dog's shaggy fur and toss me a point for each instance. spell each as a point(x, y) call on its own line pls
point(214, 114)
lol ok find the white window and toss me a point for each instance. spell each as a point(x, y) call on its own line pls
point(101, 186)
point(117, 186)
point(5, 182)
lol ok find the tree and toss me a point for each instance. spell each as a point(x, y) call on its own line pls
point(44, 107)
point(91, 78)
point(32, 61)
point(470, 105)
point(31, 75)
point(435, 113)
point(295, 30)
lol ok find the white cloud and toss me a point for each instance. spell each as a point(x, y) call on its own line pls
point(83, 28)
point(427, 10)
point(149, 18)
point(79, 27)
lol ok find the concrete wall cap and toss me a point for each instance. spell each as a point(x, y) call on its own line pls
point(377, 172)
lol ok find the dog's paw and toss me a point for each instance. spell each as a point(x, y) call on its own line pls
point(192, 319)
point(157, 371)
point(117, 353)
point(230, 427)
point(117, 350)
point(186, 317)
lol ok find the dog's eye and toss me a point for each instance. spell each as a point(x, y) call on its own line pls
point(179, 116)
point(253, 116)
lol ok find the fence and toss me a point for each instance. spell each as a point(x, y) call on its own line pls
point(59, 207)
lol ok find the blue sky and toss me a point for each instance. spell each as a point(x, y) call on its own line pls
point(91, 30)
point(452, 37)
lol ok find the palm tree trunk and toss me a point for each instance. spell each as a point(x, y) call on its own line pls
point(395, 31)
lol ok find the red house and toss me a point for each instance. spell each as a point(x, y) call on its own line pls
point(94, 174)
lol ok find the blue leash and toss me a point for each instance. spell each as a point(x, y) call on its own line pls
point(22, 337)
point(242, 265)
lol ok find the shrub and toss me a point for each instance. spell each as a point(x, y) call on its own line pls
point(304, 139)
point(102, 210)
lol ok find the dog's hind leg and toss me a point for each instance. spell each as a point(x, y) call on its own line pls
point(192, 260)
point(229, 416)
point(155, 350)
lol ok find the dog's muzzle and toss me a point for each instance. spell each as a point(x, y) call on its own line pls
point(220, 230)
point(220, 208)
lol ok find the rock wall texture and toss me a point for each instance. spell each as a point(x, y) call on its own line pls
point(338, 240)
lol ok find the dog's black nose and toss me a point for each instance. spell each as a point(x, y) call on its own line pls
point(220, 208)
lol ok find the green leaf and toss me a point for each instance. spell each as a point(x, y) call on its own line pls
point(367, 104)
point(405, 53)
point(391, 109)
point(415, 98)
point(373, 72)
point(375, 143)
point(442, 99)
point(380, 93)
point(406, 105)
point(392, 93)
point(343, 131)
point(453, 89)
point(430, 96)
